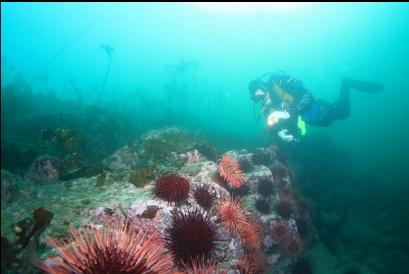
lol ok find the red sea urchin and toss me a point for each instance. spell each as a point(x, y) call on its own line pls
point(231, 214)
point(230, 170)
point(172, 188)
point(251, 264)
point(190, 236)
point(111, 250)
point(251, 235)
point(281, 230)
point(246, 265)
point(201, 267)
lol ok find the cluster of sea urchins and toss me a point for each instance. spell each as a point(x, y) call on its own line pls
point(190, 237)
point(111, 250)
point(236, 221)
point(288, 240)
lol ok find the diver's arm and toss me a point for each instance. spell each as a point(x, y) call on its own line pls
point(284, 126)
point(288, 130)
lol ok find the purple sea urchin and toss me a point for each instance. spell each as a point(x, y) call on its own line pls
point(262, 206)
point(190, 236)
point(284, 208)
point(265, 187)
point(204, 196)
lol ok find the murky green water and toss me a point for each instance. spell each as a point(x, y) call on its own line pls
point(80, 81)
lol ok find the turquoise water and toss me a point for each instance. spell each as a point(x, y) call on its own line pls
point(190, 64)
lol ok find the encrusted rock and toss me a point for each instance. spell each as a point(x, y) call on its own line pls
point(122, 159)
point(44, 169)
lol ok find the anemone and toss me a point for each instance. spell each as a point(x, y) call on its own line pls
point(230, 170)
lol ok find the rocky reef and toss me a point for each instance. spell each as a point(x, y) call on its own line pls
point(136, 185)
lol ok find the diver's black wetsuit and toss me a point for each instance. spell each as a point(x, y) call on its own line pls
point(313, 112)
point(341, 108)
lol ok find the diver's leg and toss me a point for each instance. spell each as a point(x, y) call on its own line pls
point(327, 114)
point(364, 86)
point(341, 109)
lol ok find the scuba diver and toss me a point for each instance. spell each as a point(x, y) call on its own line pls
point(289, 106)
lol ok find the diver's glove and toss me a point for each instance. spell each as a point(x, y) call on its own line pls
point(275, 117)
point(286, 137)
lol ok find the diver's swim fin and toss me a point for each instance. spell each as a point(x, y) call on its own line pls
point(362, 85)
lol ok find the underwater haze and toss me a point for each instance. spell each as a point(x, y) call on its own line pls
point(87, 88)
